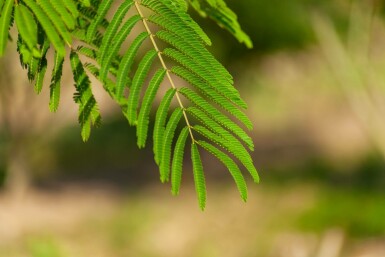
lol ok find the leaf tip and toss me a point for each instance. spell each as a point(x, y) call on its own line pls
point(257, 179)
point(174, 192)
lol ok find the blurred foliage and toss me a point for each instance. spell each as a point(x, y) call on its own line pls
point(351, 199)
point(133, 220)
point(275, 25)
point(274, 220)
point(43, 247)
point(111, 154)
point(368, 176)
point(358, 213)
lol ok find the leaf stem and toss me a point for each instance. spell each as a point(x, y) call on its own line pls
point(152, 37)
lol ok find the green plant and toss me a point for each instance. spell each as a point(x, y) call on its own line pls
point(94, 43)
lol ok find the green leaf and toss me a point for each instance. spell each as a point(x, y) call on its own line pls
point(88, 109)
point(177, 161)
point(24, 52)
point(231, 166)
point(233, 143)
point(71, 7)
point(101, 34)
point(166, 8)
point(195, 51)
point(112, 50)
point(33, 68)
point(239, 152)
point(213, 78)
point(181, 5)
point(65, 14)
point(48, 26)
point(167, 142)
point(224, 16)
point(29, 58)
point(56, 19)
point(212, 94)
point(85, 129)
point(86, 3)
point(42, 67)
point(90, 53)
point(55, 82)
point(144, 113)
point(126, 63)
point(199, 178)
point(101, 13)
point(137, 83)
point(26, 25)
point(5, 21)
point(113, 27)
point(217, 115)
point(159, 127)
point(109, 85)
point(177, 27)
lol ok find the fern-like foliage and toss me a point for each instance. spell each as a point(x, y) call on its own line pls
point(218, 11)
point(206, 111)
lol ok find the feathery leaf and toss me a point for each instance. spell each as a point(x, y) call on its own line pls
point(5, 21)
point(167, 142)
point(182, 52)
point(239, 152)
point(224, 16)
point(212, 94)
point(109, 85)
point(231, 165)
point(143, 118)
point(126, 63)
point(199, 178)
point(195, 51)
point(71, 7)
point(166, 9)
point(55, 82)
point(26, 25)
point(177, 161)
point(222, 84)
point(42, 67)
point(216, 128)
point(101, 13)
point(48, 26)
point(216, 115)
point(33, 68)
point(56, 19)
point(137, 82)
point(86, 3)
point(88, 108)
point(112, 50)
point(159, 127)
point(181, 4)
point(113, 27)
point(67, 17)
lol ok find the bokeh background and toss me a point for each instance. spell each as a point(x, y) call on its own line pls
point(315, 85)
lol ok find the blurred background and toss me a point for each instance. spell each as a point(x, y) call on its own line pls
point(315, 85)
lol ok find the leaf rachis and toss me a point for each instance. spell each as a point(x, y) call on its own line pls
point(152, 37)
